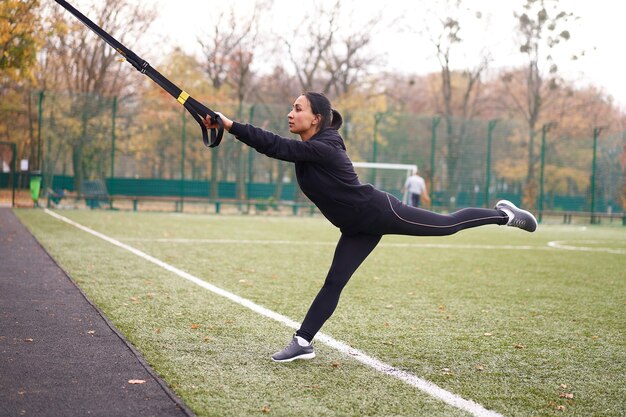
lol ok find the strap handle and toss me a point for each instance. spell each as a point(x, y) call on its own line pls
point(200, 112)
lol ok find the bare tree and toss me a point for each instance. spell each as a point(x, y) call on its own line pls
point(540, 29)
point(276, 87)
point(328, 57)
point(349, 60)
point(308, 58)
point(219, 45)
point(89, 67)
point(229, 55)
point(459, 94)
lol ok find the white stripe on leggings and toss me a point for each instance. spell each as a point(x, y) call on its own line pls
point(433, 225)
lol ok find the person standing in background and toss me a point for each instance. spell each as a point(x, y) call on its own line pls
point(416, 186)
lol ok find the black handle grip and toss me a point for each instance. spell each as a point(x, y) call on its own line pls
point(200, 112)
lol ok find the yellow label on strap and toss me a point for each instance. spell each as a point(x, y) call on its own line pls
point(183, 97)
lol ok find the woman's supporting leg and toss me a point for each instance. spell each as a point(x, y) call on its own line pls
point(351, 251)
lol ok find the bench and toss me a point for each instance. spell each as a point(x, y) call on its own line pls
point(260, 205)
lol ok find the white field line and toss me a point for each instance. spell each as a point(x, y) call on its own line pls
point(550, 246)
point(561, 244)
point(407, 377)
point(322, 243)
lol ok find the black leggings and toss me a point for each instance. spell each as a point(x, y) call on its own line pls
point(396, 218)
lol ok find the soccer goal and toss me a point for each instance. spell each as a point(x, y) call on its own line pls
point(385, 176)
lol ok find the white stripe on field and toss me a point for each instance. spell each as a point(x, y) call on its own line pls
point(407, 377)
point(560, 244)
point(322, 243)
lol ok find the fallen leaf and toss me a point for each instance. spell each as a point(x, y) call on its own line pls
point(195, 326)
point(566, 395)
point(563, 386)
point(442, 307)
point(158, 330)
point(480, 367)
point(266, 409)
point(560, 407)
point(91, 332)
point(335, 364)
point(488, 334)
point(519, 346)
point(136, 381)
point(595, 337)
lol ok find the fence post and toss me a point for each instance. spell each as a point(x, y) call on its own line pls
point(596, 133)
point(113, 117)
point(250, 149)
point(182, 161)
point(378, 116)
point(544, 130)
point(433, 139)
point(39, 123)
point(491, 126)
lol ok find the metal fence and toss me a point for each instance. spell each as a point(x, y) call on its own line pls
point(153, 148)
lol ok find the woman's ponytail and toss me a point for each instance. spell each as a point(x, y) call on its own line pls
point(336, 120)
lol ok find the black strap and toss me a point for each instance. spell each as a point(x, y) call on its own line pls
point(197, 110)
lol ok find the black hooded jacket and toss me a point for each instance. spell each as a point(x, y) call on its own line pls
point(324, 172)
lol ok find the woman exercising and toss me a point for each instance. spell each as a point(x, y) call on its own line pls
point(363, 213)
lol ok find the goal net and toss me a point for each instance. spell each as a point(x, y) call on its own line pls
point(385, 176)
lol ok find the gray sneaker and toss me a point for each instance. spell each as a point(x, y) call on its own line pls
point(517, 217)
point(294, 351)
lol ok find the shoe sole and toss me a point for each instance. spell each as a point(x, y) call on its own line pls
point(507, 204)
point(305, 356)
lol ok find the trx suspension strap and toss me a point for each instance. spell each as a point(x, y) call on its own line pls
point(197, 110)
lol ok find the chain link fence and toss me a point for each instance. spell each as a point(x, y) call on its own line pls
point(151, 149)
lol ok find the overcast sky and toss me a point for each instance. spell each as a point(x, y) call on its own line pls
point(600, 32)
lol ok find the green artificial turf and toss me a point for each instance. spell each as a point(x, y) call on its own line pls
point(493, 314)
